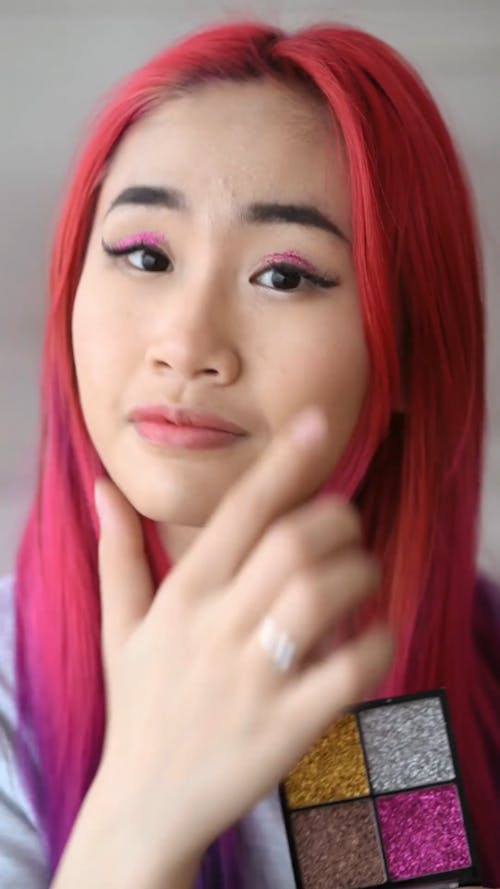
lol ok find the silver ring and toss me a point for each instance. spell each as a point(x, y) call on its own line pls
point(277, 644)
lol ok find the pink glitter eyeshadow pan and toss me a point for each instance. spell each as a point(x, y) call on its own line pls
point(423, 832)
point(378, 801)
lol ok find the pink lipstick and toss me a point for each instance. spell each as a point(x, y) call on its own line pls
point(176, 426)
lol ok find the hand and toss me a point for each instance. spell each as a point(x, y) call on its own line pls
point(200, 723)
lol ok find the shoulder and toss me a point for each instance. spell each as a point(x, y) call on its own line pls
point(8, 704)
point(7, 585)
point(7, 651)
point(6, 601)
point(21, 850)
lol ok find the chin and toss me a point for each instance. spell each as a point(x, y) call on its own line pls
point(176, 506)
point(179, 492)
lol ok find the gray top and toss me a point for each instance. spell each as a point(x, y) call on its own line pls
point(22, 864)
point(22, 858)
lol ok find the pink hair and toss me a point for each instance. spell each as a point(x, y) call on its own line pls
point(415, 476)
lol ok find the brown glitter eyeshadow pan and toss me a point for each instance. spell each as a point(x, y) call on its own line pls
point(377, 801)
point(339, 846)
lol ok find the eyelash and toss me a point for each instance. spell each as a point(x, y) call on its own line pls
point(283, 267)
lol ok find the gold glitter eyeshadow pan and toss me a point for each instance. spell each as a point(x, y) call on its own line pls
point(378, 801)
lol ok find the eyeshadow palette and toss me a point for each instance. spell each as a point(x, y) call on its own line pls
point(377, 801)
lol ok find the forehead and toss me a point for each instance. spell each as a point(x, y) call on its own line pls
point(225, 144)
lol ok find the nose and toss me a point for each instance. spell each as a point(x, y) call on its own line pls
point(197, 339)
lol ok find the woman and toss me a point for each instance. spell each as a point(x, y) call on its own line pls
point(259, 223)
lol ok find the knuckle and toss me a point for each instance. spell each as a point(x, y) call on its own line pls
point(308, 594)
point(290, 541)
point(350, 518)
point(355, 675)
point(372, 569)
point(353, 671)
point(363, 571)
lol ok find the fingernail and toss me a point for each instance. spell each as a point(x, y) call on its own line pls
point(309, 427)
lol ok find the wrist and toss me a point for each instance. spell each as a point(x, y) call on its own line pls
point(107, 848)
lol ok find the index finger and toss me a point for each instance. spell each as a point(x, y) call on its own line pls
point(287, 473)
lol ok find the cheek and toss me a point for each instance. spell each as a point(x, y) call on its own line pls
point(102, 340)
point(343, 364)
point(322, 359)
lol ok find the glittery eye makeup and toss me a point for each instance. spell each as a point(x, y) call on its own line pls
point(377, 801)
point(143, 239)
point(290, 256)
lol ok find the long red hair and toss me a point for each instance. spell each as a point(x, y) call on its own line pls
point(415, 475)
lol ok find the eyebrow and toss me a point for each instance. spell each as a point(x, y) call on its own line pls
point(173, 199)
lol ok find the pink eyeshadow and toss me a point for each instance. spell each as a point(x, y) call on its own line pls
point(423, 832)
point(290, 256)
point(150, 239)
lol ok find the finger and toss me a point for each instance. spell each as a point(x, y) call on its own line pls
point(344, 679)
point(293, 546)
point(314, 601)
point(126, 586)
point(285, 475)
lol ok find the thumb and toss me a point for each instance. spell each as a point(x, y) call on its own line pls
point(126, 586)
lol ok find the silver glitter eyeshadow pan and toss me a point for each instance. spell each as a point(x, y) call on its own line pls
point(377, 801)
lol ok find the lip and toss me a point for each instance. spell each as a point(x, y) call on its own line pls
point(177, 416)
point(171, 425)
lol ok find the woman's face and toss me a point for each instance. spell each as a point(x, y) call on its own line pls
point(218, 313)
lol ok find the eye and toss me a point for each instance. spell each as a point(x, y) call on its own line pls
point(152, 261)
point(286, 277)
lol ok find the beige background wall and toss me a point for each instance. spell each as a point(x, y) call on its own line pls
point(57, 58)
